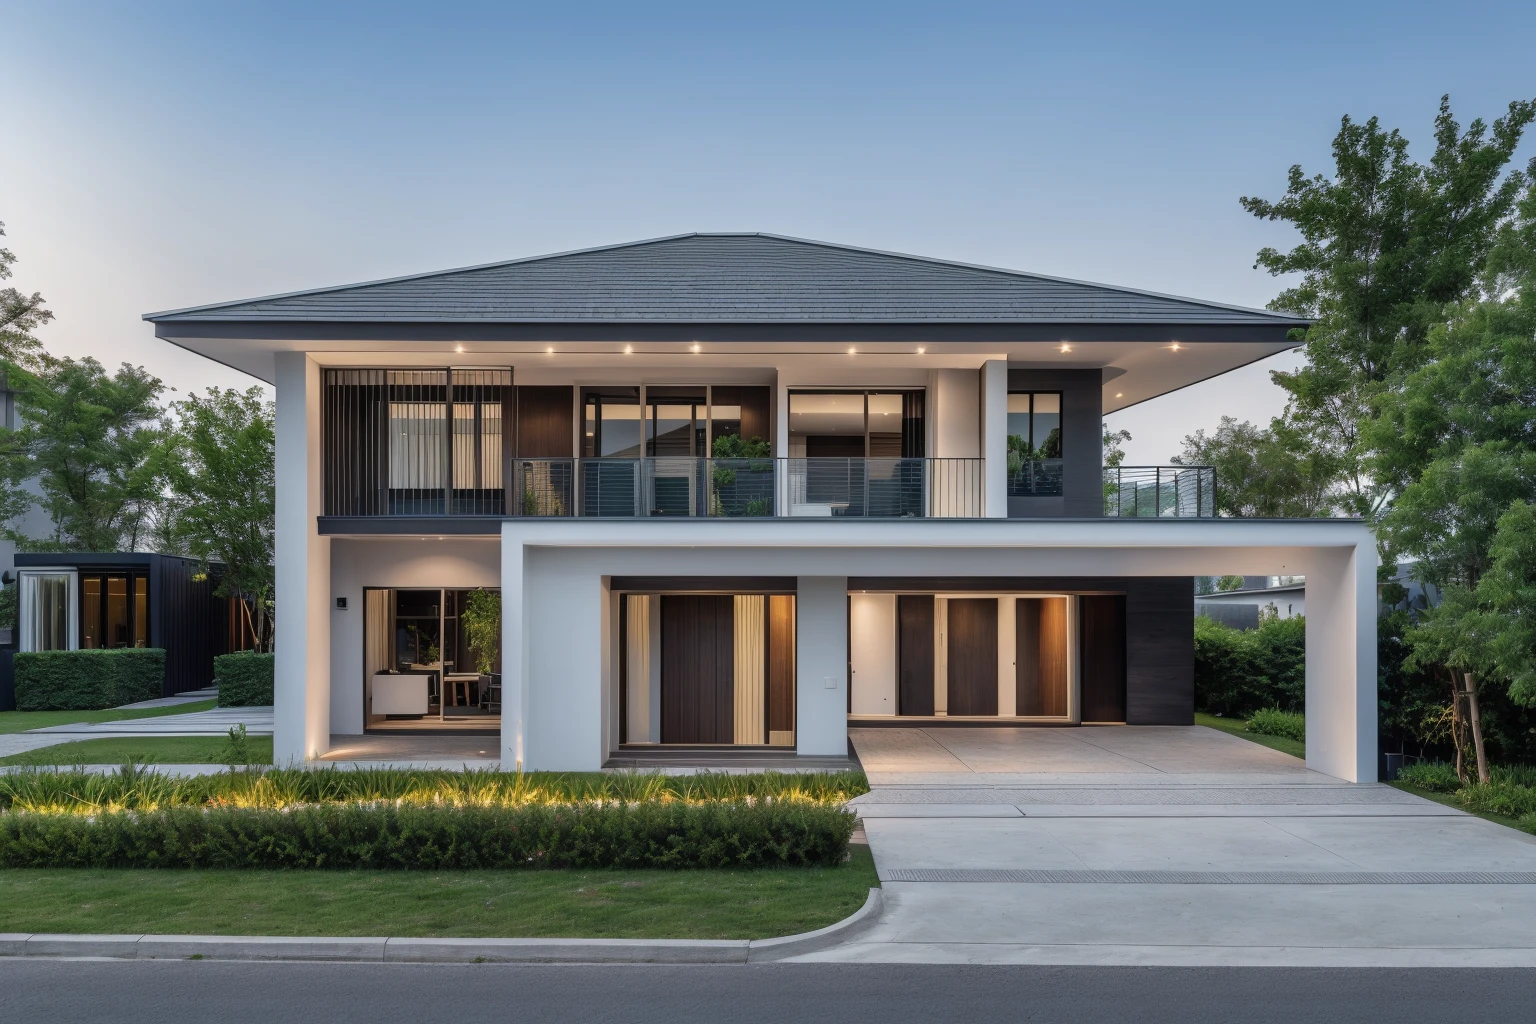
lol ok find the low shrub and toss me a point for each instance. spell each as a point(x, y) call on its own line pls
point(88, 680)
point(1498, 797)
point(1274, 722)
point(615, 835)
point(72, 791)
point(244, 679)
point(1433, 776)
point(1239, 671)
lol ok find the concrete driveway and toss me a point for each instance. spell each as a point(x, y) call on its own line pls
point(1166, 845)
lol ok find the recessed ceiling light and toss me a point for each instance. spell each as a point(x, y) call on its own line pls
point(1175, 346)
point(1119, 394)
point(696, 347)
point(1065, 347)
point(550, 350)
point(853, 351)
point(628, 350)
point(458, 348)
point(921, 350)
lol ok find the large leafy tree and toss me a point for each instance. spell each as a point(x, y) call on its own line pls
point(1387, 244)
point(1455, 437)
point(20, 315)
point(223, 477)
point(93, 442)
point(1270, 473)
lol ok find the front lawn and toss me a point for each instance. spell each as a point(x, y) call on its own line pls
point(1238, 727)
point(701, 904)
point(141, 750)
point(21, 721)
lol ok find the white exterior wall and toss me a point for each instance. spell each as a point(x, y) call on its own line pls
point(565, 568)
point(399, 563)
point(302, 627)
point(955, 406)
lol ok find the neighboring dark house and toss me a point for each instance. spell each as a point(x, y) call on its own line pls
point(125, 599)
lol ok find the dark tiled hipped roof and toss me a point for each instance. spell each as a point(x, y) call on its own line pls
point(730, 278)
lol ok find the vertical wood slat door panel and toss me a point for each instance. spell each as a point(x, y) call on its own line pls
point(1102, 657)
point(972, 646)
point(698, 654)
point(546, 422)
point(914, 654)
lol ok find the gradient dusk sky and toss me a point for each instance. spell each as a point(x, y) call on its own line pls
point(166, 155)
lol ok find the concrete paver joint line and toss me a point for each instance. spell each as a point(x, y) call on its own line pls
point(1072, 876)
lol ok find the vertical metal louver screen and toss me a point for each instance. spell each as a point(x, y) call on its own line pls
point(415, 442)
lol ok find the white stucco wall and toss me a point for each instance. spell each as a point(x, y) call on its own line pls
point(565, 568)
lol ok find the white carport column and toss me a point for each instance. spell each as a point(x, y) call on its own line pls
point(302, 567)
point(994, 438)
point(1341, 662)
point(821, 665)
point(514, 653)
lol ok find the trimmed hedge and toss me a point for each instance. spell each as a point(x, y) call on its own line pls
point(1240, 671)
point(244, 679)
point(646, 835)
point(1274, 722)
point(88, 680)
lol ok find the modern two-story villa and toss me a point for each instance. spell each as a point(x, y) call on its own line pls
point(739, 491)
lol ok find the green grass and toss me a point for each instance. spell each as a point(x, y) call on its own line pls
point(141, 750)
point(21, 721)
point(532, 904)
point(1237, 727)
point(1449, 800)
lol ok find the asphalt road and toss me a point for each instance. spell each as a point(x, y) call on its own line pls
point(170, 992)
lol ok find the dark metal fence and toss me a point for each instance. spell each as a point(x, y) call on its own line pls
point(1160, 491)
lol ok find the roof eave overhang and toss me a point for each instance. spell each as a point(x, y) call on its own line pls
point(287, 331)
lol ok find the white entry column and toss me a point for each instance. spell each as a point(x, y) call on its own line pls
point(994, 438)
point(821, 665)
point(1341, 662)
point(302, 570)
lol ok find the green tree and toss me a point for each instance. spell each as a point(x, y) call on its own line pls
point(1387, 244)
point(1271, 473)
point(1456, 437)
point(93, 443)
point(20, 315)
point(223, 479)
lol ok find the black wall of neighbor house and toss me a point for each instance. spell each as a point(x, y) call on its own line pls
point(1082, 404)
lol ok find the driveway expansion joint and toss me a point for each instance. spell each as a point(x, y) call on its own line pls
point(1072, 876)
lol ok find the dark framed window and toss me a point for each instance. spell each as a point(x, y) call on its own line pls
point(1034, 424)
point(114, 610)
point(857, 424)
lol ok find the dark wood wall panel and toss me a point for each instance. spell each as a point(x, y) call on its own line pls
point(754, 402)
point(1102, 658)
point(545, 422)
point(1041, 659)
point(972, 645)
point(914, 654)
point(781, 662)
point(1160, 651)
point(698, 668)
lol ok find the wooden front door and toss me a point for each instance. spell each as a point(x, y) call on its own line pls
point(1042, 657)
point(1103, 657)
point(972, 656)
point(914, 654)
point(698, 673)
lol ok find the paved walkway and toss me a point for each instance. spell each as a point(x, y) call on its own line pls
point(215, 722)
point(1172, 846)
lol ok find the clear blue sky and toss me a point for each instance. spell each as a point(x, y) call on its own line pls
point(162, 155)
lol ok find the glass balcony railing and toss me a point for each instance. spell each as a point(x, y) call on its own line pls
point(1034, 478)
point(1160, 491)
point(836, 488)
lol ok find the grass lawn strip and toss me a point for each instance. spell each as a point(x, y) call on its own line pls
point(141, 750)
point(21, 721)
point(1237, 727)
point(705, 904)
point(1449, 800)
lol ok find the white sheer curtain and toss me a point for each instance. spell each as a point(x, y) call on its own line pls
point(47, 611)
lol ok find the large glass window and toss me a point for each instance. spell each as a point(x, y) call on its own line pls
point(856, 424)
point(1034, 424)
point(677, 421)
point(611, 422)
point(114, 611)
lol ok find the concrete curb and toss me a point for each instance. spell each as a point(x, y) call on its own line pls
point(403, 950)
